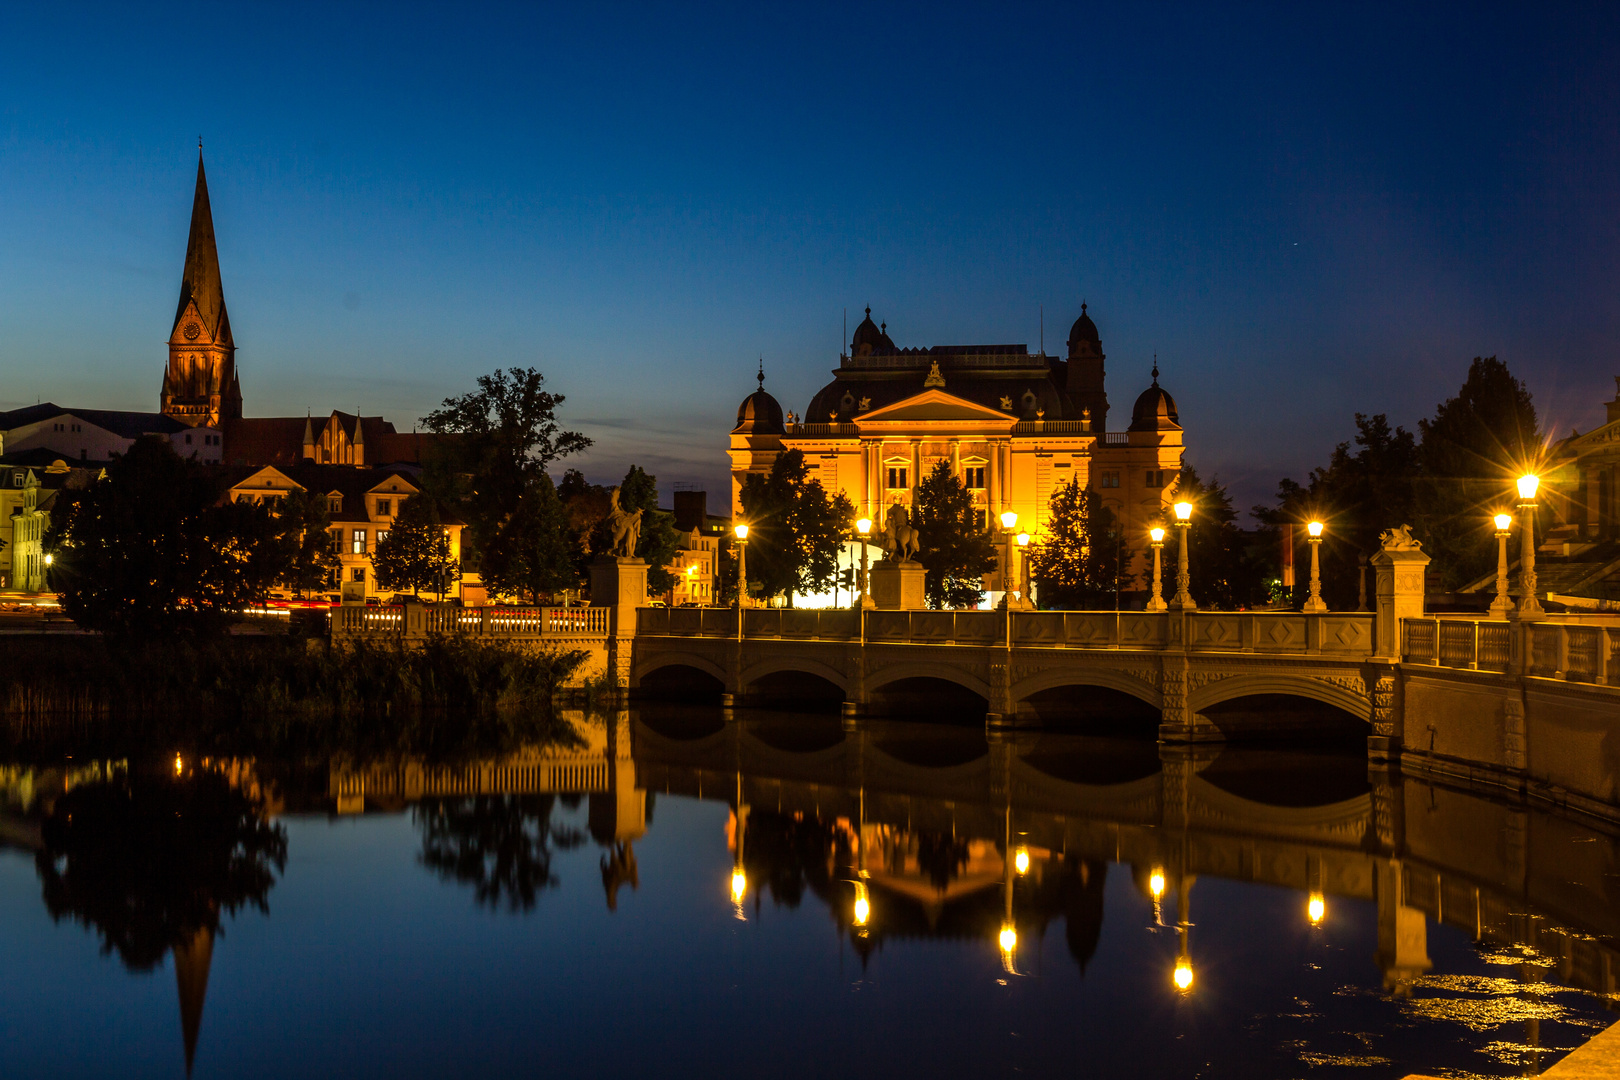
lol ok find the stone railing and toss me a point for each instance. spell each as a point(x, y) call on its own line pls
point(1342, 634)
point(1575, 651)
point(416, 621)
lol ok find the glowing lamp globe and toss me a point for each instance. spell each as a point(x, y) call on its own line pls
point(741, 531)
point(1183, 511)
point(1527, 486)
point(1314, 528)
point(1023, 539)
point(1157, 534)
point(863, 526)
point(1183, 975)
point(1009, 519)
point(1503, 522)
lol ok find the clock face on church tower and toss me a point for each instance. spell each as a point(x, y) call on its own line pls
point(191, 330)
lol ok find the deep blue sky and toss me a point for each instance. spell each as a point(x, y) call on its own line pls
point(1304, 210)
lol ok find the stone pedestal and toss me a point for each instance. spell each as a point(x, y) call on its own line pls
point(1399, 568)
point(620, 585)
point(898, 586)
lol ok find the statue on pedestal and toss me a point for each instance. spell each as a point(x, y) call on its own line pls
point(625, 528)
point(902, 539)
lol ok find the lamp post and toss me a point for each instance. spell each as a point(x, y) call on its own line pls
point(1529, 606)
point(1502, 606)
point(1156, 601)
point(864, 527)
point(1023, 565)
point(1314, 603)
point(1009, 577)
point(742, 575)
point(1184, 600)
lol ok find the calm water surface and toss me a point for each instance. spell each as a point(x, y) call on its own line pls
point(678, 896)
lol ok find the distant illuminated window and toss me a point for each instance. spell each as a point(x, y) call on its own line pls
point(359, 542)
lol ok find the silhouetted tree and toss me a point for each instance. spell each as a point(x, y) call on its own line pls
point(151, 548)
point(1078, 562)
point(532, 552)
point(955, 551)
point(795, 528)
point(1227, 572)
point(304, 516)
point(416, 553)
point(659, 542)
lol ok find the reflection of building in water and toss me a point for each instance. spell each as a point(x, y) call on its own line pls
point(915, 831)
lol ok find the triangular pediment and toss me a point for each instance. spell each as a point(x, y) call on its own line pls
point(1605, 436)
point(936, 406)
point(396, 485)
point(268, 477)
point(191, 329)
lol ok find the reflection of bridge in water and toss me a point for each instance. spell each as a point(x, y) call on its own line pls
point(1072, 806)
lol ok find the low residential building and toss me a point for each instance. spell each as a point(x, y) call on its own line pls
point(362, 504)
point(98, 435)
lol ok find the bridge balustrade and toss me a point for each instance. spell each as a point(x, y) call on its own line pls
point(1571, 651)
point(489, 622)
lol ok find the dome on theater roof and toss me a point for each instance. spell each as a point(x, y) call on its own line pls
point(1155, 409)
point(870, 338)
point(1083, 329)
point(759, 413)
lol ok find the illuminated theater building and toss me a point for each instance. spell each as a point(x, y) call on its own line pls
point(1015, 426)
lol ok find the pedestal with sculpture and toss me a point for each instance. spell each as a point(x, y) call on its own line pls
point(619, 583)
point(1398, 568)
point(898, 580)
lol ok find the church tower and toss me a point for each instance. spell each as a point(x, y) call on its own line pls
point(200, 386)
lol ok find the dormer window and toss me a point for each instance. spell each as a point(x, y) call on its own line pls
point(334, 503)
point(385, 507)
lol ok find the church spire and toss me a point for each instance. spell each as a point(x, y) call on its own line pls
point(200, 282)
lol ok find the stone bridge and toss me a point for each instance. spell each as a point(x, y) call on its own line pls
point(1024, 664)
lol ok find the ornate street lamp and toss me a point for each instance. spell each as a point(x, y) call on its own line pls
point(1502, 606)
point(1156, 601)
point(1184, 600)
point(1529, 606)
point(742, 574)
point(1009, 522)
point(1314, 604)
point(864, 527)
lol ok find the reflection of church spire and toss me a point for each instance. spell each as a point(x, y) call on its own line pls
point(191, 962)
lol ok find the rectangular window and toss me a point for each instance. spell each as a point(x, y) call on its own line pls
point(334, 504)
point(973, 477)
point(357, 574)
point(337, 541)
point(385, 508)
point(897, 477)
point(981, 520)
point(1109, 480)
point(17, 479)
point(359, 542)
point(382, 534)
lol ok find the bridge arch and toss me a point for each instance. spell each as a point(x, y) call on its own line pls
point(1057, 677)
point(894, 673)
point(665, 660)
point(798, 665)
point(1281, 683)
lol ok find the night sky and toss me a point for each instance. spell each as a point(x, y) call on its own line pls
point(1304, 210)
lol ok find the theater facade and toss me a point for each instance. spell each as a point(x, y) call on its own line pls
point(1015, 427)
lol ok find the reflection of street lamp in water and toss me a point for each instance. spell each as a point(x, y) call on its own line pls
point(1316, 908)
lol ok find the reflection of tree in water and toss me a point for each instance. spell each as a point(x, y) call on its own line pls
point(501, 845)
point(787, 854)
point(150, 860)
